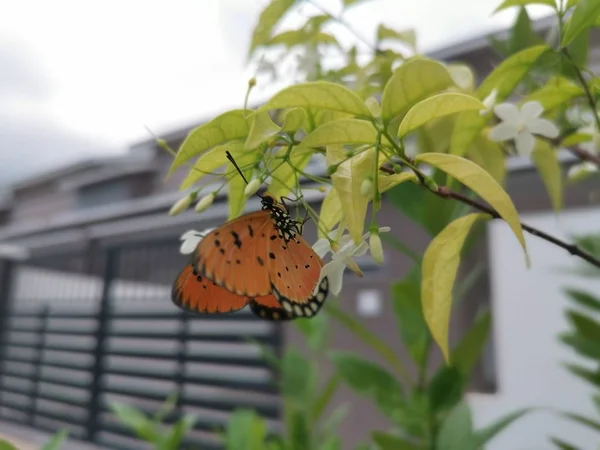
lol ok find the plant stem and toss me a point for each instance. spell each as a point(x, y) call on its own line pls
point(445, 192)
point(590, 97)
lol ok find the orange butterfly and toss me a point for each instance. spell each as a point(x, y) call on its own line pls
point(259, 259)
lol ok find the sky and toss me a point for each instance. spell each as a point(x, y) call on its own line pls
point(85, 79)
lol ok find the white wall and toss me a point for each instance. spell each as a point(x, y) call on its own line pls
point(528, 314)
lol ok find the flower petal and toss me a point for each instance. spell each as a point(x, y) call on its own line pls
point(543, 127)
point(530, 111)
point(384, 229)
point(525, 143)
point(189, 245)
point(333, 270)
point(322, 247)
point(507, 113)
point(190, 233)
point(503, 132)
point(361, 249)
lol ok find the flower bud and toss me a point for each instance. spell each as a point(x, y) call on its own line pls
point(252, 82)
point(332, 169)
point(322, 189)
point(252, 187)
point(182, 204)
point(366, 187)
point(376, 247)
point(205, 202)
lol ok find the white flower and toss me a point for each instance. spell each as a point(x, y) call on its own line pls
point(191, 239)
point(592, 145)
point(341, 257)
point(521, 125)
point(580, 172)
point(489, 102)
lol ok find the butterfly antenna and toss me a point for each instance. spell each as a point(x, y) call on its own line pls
point(230, 158)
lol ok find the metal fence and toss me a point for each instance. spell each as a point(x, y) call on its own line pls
point(83, 329)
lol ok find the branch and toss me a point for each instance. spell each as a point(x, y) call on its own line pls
point(584, 155)
point(446, 192)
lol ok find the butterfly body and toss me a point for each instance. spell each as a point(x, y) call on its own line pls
point(259, 259)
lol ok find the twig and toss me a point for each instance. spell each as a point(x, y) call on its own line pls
point(590, 97)
point(446, 192)
point(584, 155)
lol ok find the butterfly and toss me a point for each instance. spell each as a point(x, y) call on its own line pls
point(259, 259)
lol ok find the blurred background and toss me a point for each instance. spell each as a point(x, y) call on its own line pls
point(88, 252)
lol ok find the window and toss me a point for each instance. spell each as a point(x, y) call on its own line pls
point(103, 193)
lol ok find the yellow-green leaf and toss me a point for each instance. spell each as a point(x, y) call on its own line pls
point(347, 181)
point(227, 127)
point(437, 106)
point(544, 158)
point(346, 131)
point(415, 80)
point(467, 127)
point(440, 265)
point(483, 184)
point(510, 3)
point(319, 95)
point(261, 130)
point(386, 182)
point(293, 120)
point(211, 160)
point(584, 15)
point(269, 17)
point(331, 213)
point(406, 36)
point(574, 139)
point(463, 76)
point(489, 155)
point(283, 176)
point(556, 92)
point(510, 72)
point(334, 154)
point(236, 185)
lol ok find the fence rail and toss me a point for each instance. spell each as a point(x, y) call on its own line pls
point(80, 331)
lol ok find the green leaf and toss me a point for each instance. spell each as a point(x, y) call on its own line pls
point(584, 421)
point(324, 398)
point(510, 3)
point(237, 197)
point(319, 95)
point(245, 430)
point(269, 17)
point(556, 92)
point(56, 442)
point(331, 213)
point(584, 299)
point(345, 131)
point(366, 336)
point(284, 175)
point(467, 127)
point(297, 376)
point(585, 374)
point(508, 74)
point(167, 407)
point(489, 155)
point(545, 159)
point(316, 330)
point(584, 15)
point(136, 421)
point(585, 326)
point(415, 80)
point(578, 50)
point(5, 445)
point(293, 120)
point(227, 127)
point(172, 440)
point(445, 389)
point(406, 36)
point(522, 34)
point(261, 130)
point(482, 183)
point(347, 181)
point(437, 106)
point(212, 159)
point(299, 431)
point(563, 445)
point(388, 442)
point(387, 182)
point(406, 302)
point(370, 379)
point(440, 265)
point(457, 429)
point(466, 354)
point(581, 345)
point(486, 434)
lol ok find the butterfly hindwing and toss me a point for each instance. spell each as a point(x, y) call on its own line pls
point(192, 292)
point(234, 255)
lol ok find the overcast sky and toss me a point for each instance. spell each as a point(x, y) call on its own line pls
point(83, 78)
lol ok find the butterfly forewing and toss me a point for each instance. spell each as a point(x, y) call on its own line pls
point(234, 255)
point(193, 292)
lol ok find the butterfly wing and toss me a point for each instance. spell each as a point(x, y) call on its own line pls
point(234, 255)
point(192, 292)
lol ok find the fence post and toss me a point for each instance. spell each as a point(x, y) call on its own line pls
point(110, 271)
point(37, 364)
point(6, 276)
